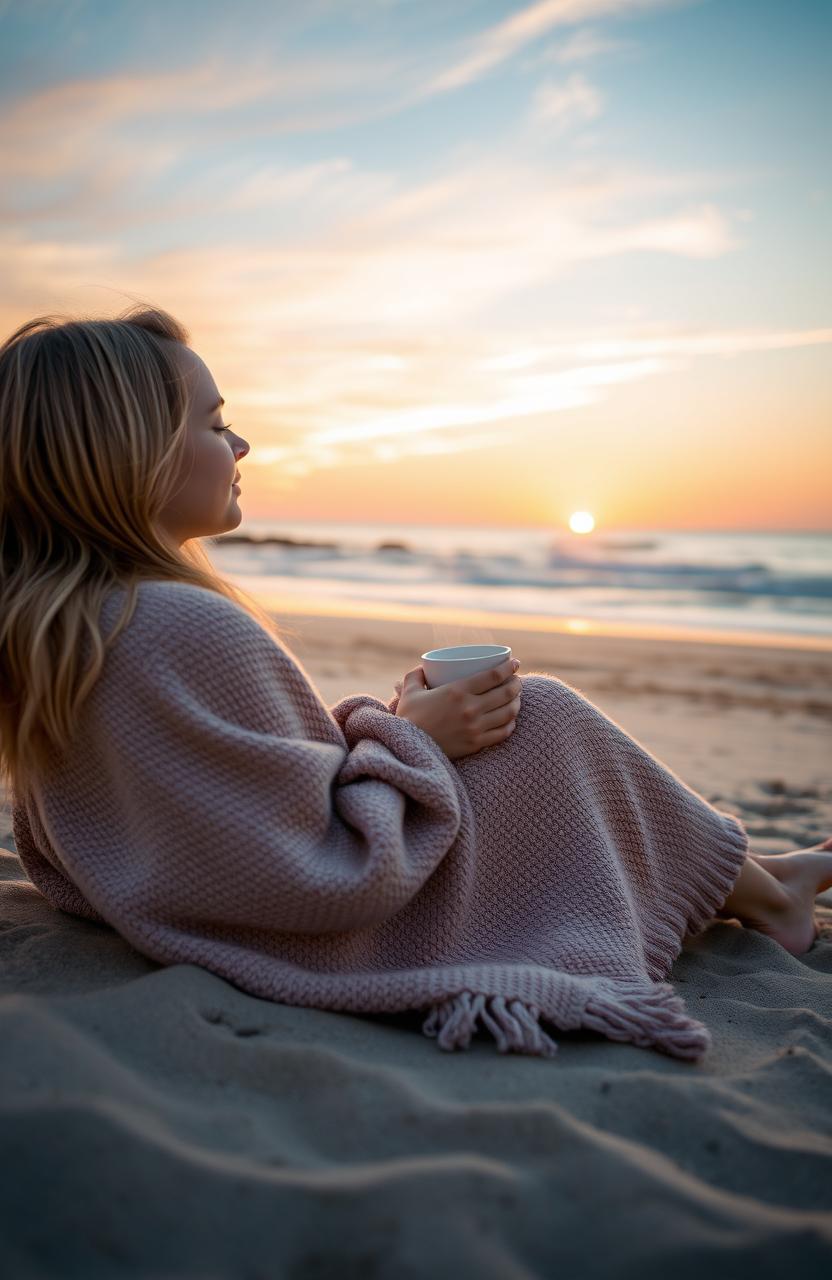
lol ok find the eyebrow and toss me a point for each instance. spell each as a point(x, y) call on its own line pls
point(218, 405)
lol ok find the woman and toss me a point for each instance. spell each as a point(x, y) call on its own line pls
point(496, 860)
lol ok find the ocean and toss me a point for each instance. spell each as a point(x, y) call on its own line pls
point(739, 587)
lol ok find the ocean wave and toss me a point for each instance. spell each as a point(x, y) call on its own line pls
point(389, 561)
point(747, 580)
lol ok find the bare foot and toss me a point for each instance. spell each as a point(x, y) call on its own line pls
point(803, 874)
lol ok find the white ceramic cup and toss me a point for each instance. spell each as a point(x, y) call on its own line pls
point(441, 666)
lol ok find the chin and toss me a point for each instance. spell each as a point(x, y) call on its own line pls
point(231, 520)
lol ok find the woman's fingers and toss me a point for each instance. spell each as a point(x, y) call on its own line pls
point(500, 696)
point(497, 735)
point(501, 716)
point(485, 680)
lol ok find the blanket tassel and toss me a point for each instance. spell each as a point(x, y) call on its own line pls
point(514, 1026)
point(647, 1016)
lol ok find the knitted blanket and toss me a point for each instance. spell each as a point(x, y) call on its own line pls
point(215, 812)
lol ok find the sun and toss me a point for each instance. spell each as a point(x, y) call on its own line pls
point(581, 522)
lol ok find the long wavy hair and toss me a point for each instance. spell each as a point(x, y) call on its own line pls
point(92, 429)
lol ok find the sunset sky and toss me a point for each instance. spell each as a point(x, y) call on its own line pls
point(458, 261)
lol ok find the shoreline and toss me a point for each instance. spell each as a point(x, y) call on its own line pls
point(589, 628)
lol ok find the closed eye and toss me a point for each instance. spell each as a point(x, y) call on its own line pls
point(228, 428)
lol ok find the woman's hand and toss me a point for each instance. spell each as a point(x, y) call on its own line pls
point(465, 715)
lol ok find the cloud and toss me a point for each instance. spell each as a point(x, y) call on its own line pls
point(434, 428)
point(333, 186)
point(560, 105)
point(315, 380)
point(701, 344)
point(372, 319)
point(444, 428)
point(92, 144)
point(380, 310)
point(500, 42)
point(584, 45)
point(72, 110)
point(118, 150)
point(441, 427)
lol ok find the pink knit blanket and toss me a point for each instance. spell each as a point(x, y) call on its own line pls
point(214, 811)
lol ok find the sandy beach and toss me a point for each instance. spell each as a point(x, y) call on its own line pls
point(159, 1121)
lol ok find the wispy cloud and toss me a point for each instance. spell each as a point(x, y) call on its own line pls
point(509, 397)
point(561, 105)
point(584, 45)
point(333, 186)
point(281, 330)
point(94, 143)
point(370, 296)
point(419, 262)
point(118, 149)
point(501, 41)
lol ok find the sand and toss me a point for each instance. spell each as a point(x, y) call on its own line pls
point(159, 1122)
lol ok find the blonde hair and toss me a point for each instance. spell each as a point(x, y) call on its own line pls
point(92, 425)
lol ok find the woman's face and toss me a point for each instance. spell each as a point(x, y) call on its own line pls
point(204, 502)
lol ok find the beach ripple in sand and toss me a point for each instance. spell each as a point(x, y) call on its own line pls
point(160, 1122)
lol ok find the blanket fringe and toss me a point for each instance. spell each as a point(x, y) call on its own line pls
point(647, 1016)
point(644, 1013)
point(514, 1026)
